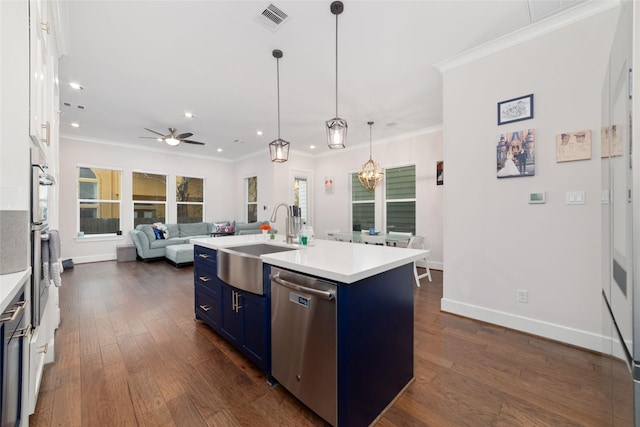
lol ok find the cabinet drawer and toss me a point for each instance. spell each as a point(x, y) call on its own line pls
point(207, 307)
point(207, 277)
point(205, 256)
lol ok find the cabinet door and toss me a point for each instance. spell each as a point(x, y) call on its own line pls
point(230, 314)
point(255, 327)
point(39, 34)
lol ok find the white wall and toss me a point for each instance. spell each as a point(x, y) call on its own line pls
point(273, 183)
point(219, 193)
point(497, 243)
point(332, 209)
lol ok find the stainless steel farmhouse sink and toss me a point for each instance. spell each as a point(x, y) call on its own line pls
point(241, 266)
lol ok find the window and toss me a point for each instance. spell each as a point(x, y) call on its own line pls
point(252, 198)
point(190, 199)
point(362, 206)
point(149, 198)
point(301, 197)
point(99, 200)
point(400, 186)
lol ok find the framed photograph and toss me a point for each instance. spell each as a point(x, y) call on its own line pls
point(328, 184)
point(440, 172)
point(515, 110)
point(571, 146)
point(515, 154)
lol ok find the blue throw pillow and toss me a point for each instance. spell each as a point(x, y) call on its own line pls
point(159, 234)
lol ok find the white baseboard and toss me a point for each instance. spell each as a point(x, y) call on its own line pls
point(579, 338)
point(435, 265)
point(94, 258)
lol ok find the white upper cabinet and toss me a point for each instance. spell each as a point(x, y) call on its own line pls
point(43, 74)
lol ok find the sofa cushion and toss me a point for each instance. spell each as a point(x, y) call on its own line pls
point(195, 229)
point(219, 226)
point(173, 230)
point(148, 230)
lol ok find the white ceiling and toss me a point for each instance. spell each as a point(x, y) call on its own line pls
point(143, 64)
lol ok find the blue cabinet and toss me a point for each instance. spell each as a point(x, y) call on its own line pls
point(12, 333)
point(240, 317)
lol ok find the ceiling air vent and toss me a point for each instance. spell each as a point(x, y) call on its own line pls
point(272, 17)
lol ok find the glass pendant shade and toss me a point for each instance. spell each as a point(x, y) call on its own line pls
point(336, 127)
point(371, 172)
point(172, 141)
point(336, 132)
point(279, 149)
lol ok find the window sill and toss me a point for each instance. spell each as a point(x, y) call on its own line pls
point(99, 238)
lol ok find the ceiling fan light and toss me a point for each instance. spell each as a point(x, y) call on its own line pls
point(279, 150)
point(336, 132)
point(172, 141)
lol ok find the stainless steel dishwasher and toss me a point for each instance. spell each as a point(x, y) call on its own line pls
point(303, 339)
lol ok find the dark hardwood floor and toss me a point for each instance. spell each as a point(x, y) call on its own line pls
point(128, 353)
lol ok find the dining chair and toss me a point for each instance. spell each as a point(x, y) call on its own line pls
point(417, 242)
point(401, 233)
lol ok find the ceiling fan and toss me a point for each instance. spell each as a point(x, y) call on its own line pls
point(172, 138)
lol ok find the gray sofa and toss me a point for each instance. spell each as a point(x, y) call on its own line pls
point(149, 247)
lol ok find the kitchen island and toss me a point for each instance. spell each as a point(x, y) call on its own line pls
point(367, 360)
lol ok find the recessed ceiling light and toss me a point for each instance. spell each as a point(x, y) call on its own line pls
point(259, 132)
point(312, 147)
point(188, 115)
point(75, 86)
point(75, 125)
point(219, 150)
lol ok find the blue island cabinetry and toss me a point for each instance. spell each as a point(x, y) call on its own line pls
point(242, 318)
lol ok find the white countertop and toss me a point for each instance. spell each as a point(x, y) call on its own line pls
point(338, 261)
point(10, 284)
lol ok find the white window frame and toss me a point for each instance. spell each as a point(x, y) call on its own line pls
point(204, 194)
point(246, 197)
point(79, 201)
point(385, 200)
point(159, 202)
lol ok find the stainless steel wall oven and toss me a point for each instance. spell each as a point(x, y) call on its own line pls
point(41, 182)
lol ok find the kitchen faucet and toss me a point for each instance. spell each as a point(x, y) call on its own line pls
point(273, 219)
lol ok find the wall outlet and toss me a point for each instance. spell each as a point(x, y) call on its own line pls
point(522, 296)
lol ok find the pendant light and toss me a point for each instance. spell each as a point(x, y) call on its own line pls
point(279, 148)
point(371, 173)
point(336, 127)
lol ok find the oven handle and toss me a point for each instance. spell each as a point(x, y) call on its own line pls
point(13, 312)
point(315, 292)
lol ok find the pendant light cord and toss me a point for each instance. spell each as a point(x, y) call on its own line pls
point(337, 66)
point(278, 79)
point(370, 155)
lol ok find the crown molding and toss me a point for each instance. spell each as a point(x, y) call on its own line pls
point(131, 147)
point(562, 19)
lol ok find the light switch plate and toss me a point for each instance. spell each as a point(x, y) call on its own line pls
point(574, 198)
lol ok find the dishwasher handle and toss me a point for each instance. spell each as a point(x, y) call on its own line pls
point(328, 295)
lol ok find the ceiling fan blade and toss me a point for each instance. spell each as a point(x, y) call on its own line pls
point(150, 137)
point(192, 142)
point(153, 131)
point(184, 135)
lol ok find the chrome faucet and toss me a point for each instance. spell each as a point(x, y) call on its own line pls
point(273, 219)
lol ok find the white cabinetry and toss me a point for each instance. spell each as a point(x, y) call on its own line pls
point(43, 77)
